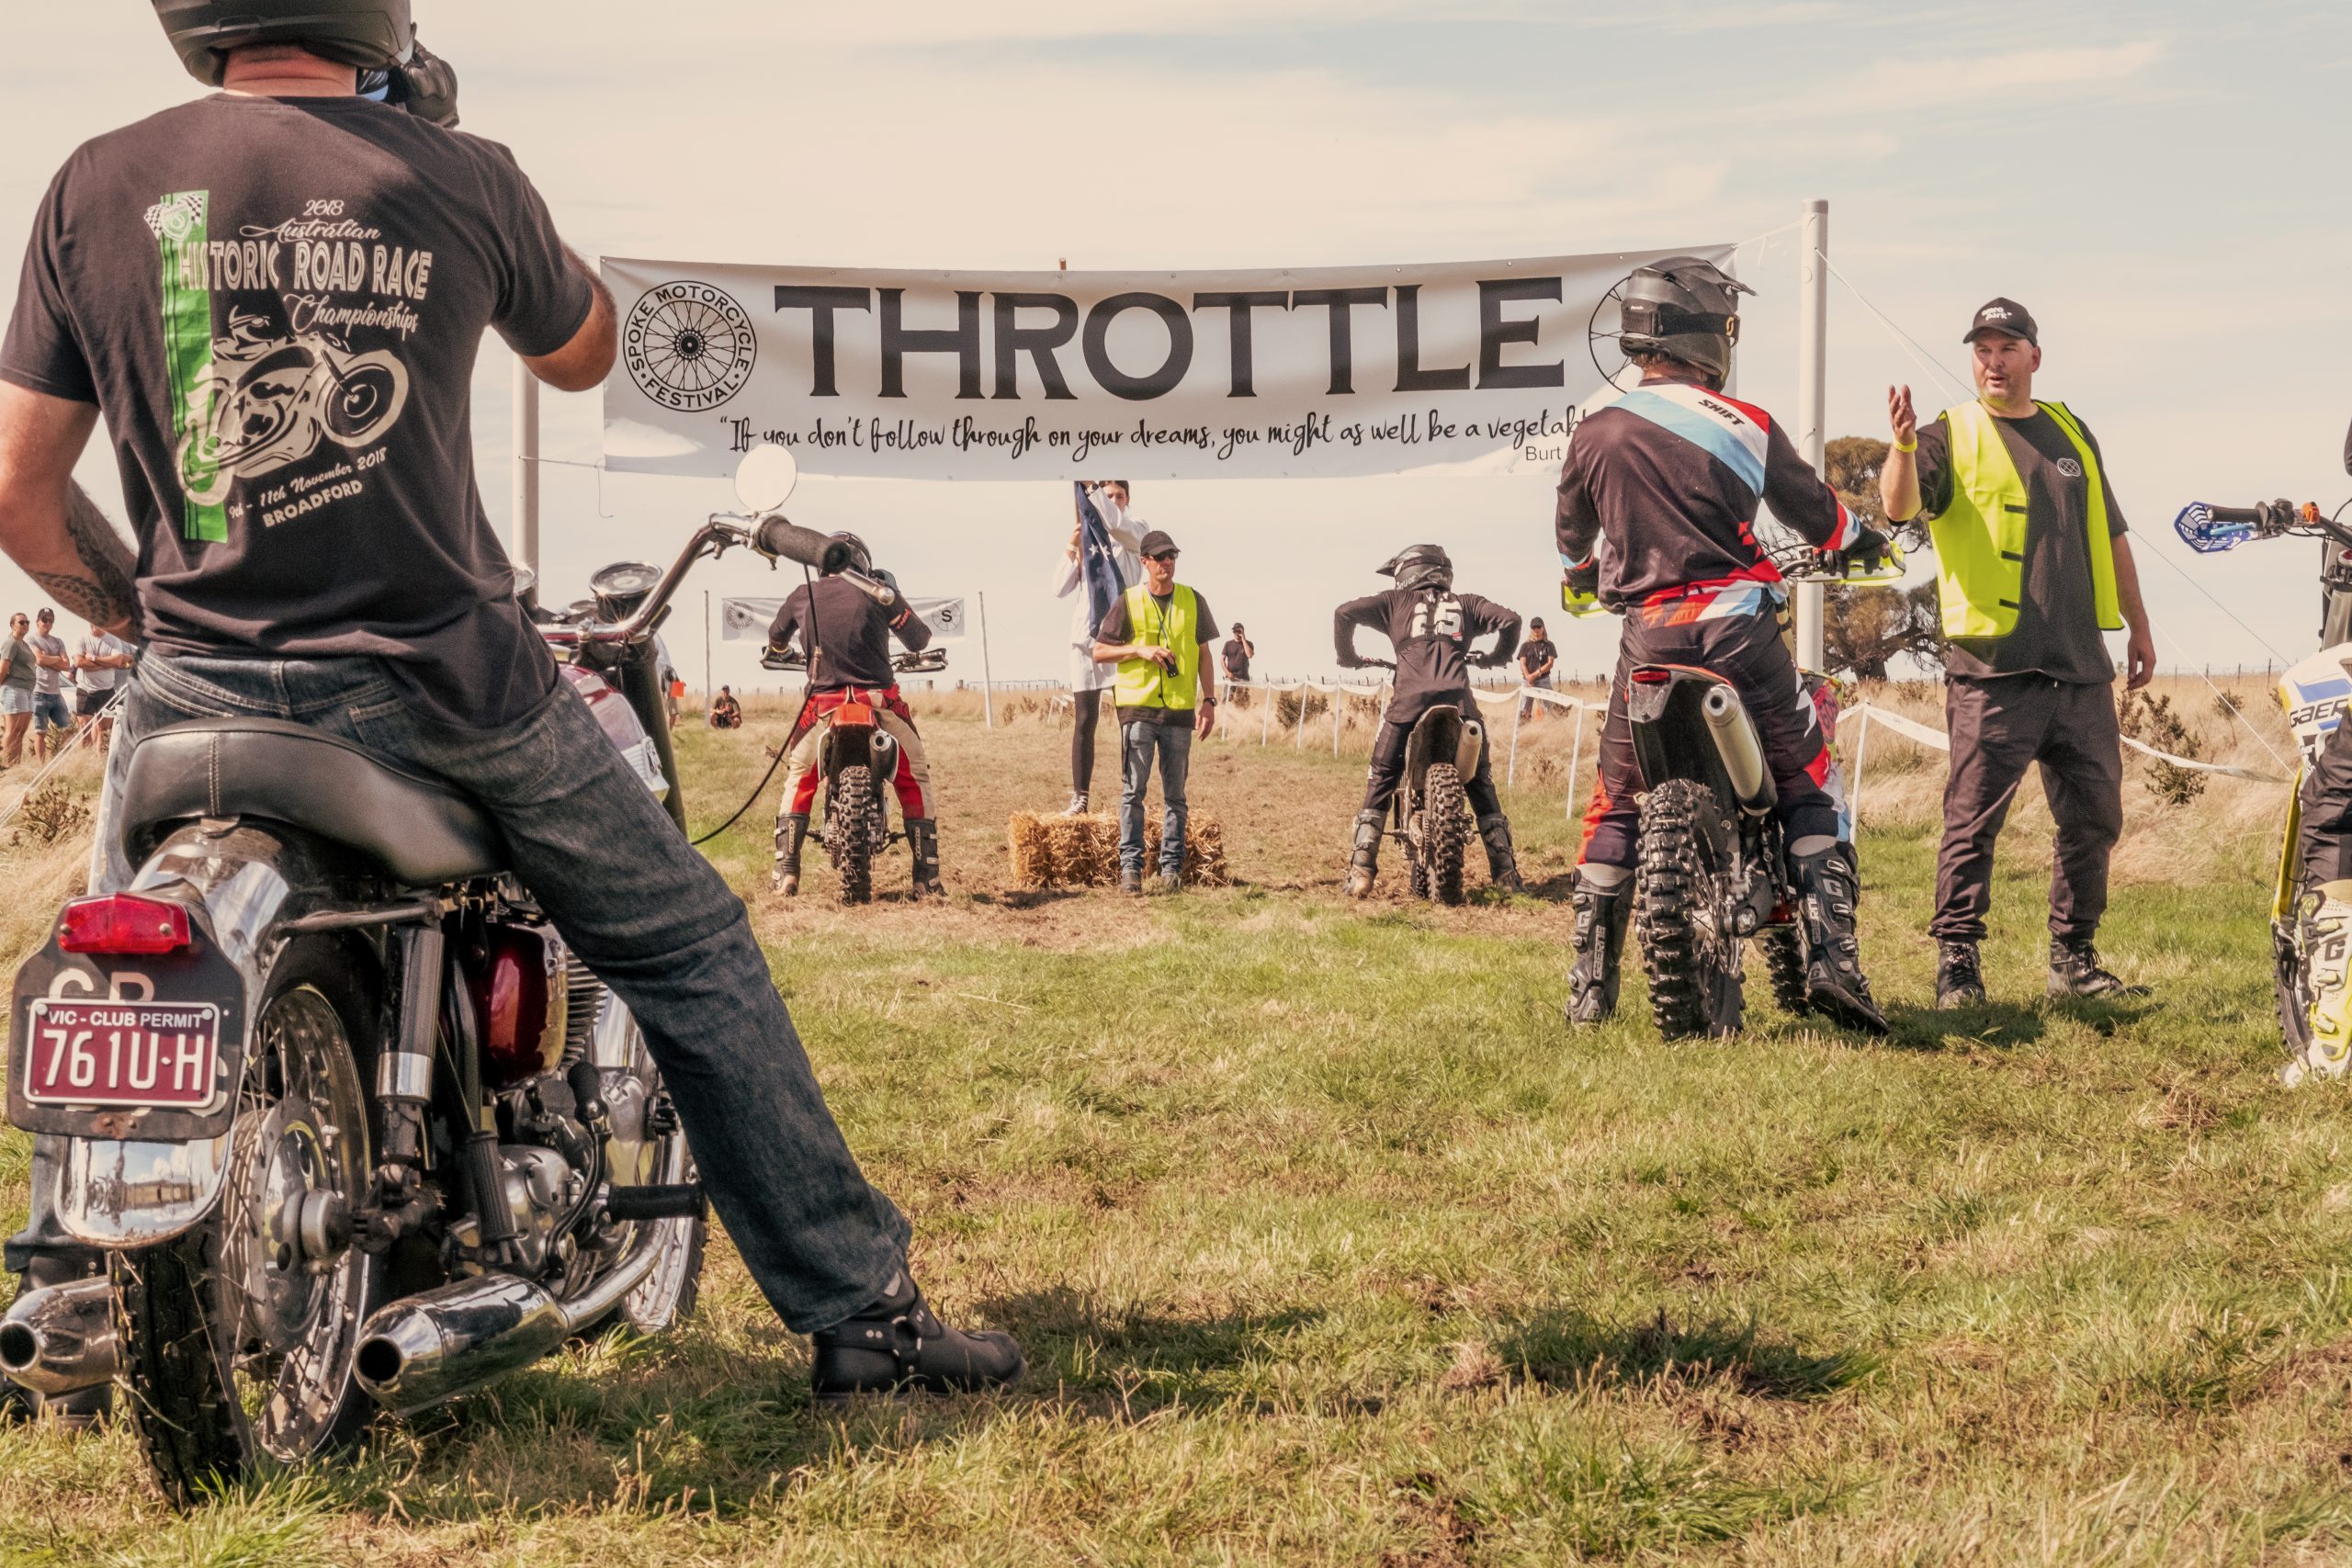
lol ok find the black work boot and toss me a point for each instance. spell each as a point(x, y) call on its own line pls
point(1601, 917)
point(1363, 859)
point(1502, 865)
point(1960, 979)
point(791, 832)
point(922, 843)
point(1829, 887)
point(898, 1346)
point(2075, 971)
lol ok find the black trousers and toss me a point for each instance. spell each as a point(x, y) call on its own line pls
point(1086, 717)
point(1746, 650)
point(1388, 772)
point(2326, 844)
point(2000, 727)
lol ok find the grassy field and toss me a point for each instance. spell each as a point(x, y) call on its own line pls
point(1331, 1245)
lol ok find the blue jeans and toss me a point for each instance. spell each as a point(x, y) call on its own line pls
point(645, 911)
point(50, 711)
point(1137, 744)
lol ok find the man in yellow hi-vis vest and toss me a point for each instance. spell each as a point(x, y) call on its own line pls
point(1158, 633)
point(2032, 567)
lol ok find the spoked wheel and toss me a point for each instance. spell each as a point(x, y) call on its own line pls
point(1688, 952)
point(239, 1337)
point(1445, 829)
point(853, 823)
point(1784, 961)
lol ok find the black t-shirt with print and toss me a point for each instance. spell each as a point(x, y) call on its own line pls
point(278, 303)
point(1115, 628)
point(1237, 659)
point(852, 634)
point(1534, 654)
point(1430, 630)
point(2057, 633)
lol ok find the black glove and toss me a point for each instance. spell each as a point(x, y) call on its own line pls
point(1584, 582)
point(1868, 549)
point(426, 87)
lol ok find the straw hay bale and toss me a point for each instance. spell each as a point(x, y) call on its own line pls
point(1083, 852)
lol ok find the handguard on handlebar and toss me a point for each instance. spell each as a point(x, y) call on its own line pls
point(1583, 606)
point(1836, 566)
point(2209, 530)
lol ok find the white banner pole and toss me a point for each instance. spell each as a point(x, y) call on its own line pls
point(708, 691)
point(987, 680)
point(1812, 377)
point(525, 528)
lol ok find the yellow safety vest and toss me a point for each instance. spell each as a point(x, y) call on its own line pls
point(1144, 684)
point(1980, 537)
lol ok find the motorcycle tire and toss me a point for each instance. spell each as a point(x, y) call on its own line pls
point(237, 1362)
point(1784, 962)
point(1445, 832)
point(852, 828)
point(1692, 961)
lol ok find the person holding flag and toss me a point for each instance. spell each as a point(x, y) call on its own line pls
point(1101, 561)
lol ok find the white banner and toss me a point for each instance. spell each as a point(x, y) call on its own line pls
point(747, 620)
point(1467, 367)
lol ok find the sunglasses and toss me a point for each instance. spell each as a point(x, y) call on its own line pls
point(1162, 556)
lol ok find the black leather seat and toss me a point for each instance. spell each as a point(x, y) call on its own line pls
point(419, 829)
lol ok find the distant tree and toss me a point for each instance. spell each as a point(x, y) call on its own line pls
point(1864, 629)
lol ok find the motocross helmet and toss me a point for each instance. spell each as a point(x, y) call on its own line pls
point(854, 558)
point(372, 35)
point(1423, 565)
point(1685, 308)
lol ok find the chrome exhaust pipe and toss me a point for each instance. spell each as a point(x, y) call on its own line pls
point(1743, 753)
point(60, 1337)
point(423, 1349)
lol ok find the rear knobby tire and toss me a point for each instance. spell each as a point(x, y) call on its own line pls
point(851, 828)
point(1445, 829)
point(1692, 960)
point(1784, 962)
point(222, 1390)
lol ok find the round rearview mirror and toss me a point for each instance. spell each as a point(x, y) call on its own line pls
point(765, 479)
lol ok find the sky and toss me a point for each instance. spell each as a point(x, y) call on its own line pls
point(2159, 183)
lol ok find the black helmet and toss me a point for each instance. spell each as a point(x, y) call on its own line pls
point(373, 35)
point(1423, 565)
point(851, 555)
point(1684, 307)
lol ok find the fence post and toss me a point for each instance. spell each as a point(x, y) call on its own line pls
point(1510, 773)
point(1861, 750)
point(988, 682)
point(1576, 756)
point(1298, 732)
point(1336, 696)
point(1266, 716)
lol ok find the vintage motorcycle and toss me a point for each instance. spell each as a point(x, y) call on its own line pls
point(352, 1125)
point(856, 758)
point(2313, 692)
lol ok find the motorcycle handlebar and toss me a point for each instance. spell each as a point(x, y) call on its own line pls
point(781, 539)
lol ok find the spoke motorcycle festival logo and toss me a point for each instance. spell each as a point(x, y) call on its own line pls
point(689, 345)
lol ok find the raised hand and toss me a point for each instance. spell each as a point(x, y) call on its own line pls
point(1900, 417)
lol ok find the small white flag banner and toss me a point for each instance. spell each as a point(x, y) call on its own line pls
point(747, 620)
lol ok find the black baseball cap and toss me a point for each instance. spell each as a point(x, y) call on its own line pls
point(1155, 543)
point(2007, 316)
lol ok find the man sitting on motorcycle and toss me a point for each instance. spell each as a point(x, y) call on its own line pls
point(1432, 627)
point(847, 635)
point(1657, 512)
point(380, 609)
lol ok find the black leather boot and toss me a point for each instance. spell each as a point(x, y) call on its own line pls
point(1959, 976)
point(923, 842)
point(1601, 917)
point(1502, 865)
point(1828, 886)
point(898, 1346)
point(791, 832)
point(1363, 859)
point(2075, 971)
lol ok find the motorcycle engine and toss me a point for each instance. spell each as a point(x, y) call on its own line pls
point(542, 1187)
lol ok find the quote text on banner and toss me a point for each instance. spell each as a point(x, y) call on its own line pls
point(1473, 366)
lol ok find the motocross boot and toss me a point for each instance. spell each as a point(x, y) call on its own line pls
point(1827, 887)
point(2075, 971)
point(922, 843)
point(791, 832)
point(898, 1346)
point(1364, 860)
point(1601, 917)
point(2327, 958)
point(1502, 865)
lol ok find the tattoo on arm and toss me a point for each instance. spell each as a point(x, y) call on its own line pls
point(103, 592)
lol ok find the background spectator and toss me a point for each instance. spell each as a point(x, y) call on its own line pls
point(100, 664)
point(1238, 652)
point(1537, 655)
point(1158, 633)
point(17, 674)
point(52, 719)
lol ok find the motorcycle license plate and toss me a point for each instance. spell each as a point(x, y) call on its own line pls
point(113, 1053)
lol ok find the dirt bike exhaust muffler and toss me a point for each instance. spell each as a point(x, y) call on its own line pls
point(60, 1337)
point(418, 1351)
point(1742, 752)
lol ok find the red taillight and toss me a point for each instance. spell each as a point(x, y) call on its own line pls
point(121, 922)
point(1652, 677)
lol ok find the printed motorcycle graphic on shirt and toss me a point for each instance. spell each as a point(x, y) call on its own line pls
point(265, 402)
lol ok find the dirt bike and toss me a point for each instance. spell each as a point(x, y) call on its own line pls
point(856, 759)
point(353, 1127)
point(1430, 814)
point(2313, 692)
